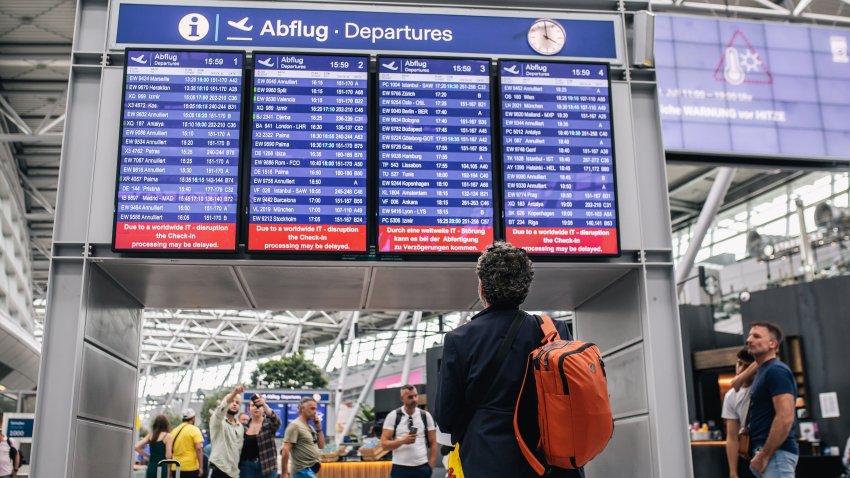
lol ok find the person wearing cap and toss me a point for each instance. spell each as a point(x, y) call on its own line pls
point(186, 445)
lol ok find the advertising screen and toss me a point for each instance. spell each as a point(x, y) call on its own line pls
point(308, 153)
point(753, 88)
point(178, 173)
point(558, 158)
point(435, 165)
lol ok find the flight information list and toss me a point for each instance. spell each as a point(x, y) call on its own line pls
point(435, 173)
point(558, 158)
point(178, 175)
point(308, 154)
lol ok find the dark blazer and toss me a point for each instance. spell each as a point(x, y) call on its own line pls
point(488, 446)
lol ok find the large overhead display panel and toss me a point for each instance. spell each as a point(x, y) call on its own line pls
point(356, 28)
point(744, 88)
point(308, 153)
point(178, 169)
point(435, 164)
point(558, 158)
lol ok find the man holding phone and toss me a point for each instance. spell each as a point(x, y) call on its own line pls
point(303, 442)
point(226, 435)
point(411, 434)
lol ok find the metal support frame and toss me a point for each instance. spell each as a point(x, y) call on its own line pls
point(14, 117)
point(367, 388)
point(411, 341)
point(187, 397)
point(343, 372)
point(346, 326)
point(296, 342)
point(806, 251)
point(709, 211)
point(240, 378)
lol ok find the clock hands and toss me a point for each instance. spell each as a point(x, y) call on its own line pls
point(546, 30)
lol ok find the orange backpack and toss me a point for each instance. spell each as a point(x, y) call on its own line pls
point(573, 409)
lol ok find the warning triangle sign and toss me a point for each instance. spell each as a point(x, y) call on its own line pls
point(741, 63)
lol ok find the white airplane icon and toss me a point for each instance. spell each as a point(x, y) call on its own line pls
point(390, 66)
point(512, 69)
point(139, 59)
point(266, 62)
point(241, 25)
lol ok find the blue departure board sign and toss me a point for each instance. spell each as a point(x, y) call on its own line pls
point(178, 173)
point(435, 174)
point(558, 158)
point(285, 405)
point(745, 88)
point(308, 153)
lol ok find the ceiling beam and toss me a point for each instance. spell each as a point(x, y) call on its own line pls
point(51, 138)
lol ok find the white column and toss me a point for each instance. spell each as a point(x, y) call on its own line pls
point(374, 375)
point(408, 356)
point(343, 371)
point(342, 332)
point(706, 217)
point(241, 377)
point(188, 396)
point(296, 343)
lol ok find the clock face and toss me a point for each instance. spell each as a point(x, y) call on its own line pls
point(547, 37)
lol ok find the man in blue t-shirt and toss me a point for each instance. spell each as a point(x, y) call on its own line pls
point(772, 400)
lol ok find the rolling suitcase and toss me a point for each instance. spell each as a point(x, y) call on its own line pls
point(168, 464)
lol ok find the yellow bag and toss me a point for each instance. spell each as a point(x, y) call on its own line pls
point(455, 468)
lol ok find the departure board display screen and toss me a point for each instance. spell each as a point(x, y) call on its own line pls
point(558, 158)
point(178, 173)
point(435, 165)
point(744, 88)
point(308, 153)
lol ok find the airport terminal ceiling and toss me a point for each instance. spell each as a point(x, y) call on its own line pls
point(35, 51)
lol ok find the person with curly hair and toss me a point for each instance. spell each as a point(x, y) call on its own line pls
point(476, 395)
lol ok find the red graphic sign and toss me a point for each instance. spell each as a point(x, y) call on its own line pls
point(741, 63)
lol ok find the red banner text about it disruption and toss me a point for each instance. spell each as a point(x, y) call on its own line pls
point(434, 239)
point(564, 241)
point(307, 238)
point(175, 236)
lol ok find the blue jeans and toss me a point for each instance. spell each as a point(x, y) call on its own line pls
point(305, 473)
point(252, 469)
point(421, 471)
point(781, 465)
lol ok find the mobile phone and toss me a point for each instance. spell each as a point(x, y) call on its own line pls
point(413, 430)
point(255, 397)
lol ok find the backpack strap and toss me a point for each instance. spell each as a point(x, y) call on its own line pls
point(427, 438)
point(397, 420)
point(526, 452)
point(547, 325)
point(550, 334)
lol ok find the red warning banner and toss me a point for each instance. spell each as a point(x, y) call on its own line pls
point(175, 236)
point(306, 238)
point(434, 239)
point(564, 241)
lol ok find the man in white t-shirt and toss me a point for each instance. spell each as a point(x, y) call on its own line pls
point(411, 434)
point(736, 405)
point(8, 468)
